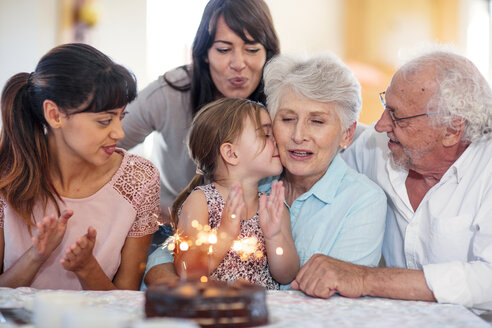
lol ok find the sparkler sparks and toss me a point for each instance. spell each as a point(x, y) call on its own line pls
point(206, 236)
point(203, 243)
point(246, 247)
point(212, 238)
point(183, 246)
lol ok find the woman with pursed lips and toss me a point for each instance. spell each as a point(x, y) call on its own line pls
point(233, 42)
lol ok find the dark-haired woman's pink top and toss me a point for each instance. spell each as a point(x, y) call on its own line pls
point(127, 206)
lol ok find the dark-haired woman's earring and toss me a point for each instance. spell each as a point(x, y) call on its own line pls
point(45, 130)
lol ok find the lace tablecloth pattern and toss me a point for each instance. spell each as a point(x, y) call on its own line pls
point(294, 309)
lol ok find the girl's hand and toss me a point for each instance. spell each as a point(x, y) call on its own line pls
point(78, 257)
point(233, 211)
point(270, 211)
point(50, 234)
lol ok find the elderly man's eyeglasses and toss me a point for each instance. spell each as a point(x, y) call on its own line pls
point(392, 115)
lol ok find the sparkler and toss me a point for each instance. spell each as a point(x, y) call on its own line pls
point(246, 247)
point(203, 243)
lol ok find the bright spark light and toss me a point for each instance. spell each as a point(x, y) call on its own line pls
point(201, 238)
point(183, 246)
point(203, 279)
point(237, 246)
point(279, 251)
point(212, 238)
point(246, 247)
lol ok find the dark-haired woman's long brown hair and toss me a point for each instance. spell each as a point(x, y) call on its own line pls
point(78, 78)
point(252, 16)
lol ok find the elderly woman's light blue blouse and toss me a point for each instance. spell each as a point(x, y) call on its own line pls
point(342, 216)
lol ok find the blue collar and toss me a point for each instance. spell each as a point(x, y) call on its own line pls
point(327, 187)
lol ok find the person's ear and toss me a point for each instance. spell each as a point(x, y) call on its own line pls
point(348, 136)
point(52, 114)
point(228, 153)
point(451, 136)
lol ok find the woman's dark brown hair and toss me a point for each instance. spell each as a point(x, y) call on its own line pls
point(77, 78)
point(251, 16)
point(216, 123)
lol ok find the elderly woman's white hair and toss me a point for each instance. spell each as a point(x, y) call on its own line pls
point(462, 93)
point(323, 78)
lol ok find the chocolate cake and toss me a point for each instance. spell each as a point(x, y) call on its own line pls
point(210, 304)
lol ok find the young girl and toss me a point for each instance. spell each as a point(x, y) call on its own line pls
point(232, 144)
point(58, 156)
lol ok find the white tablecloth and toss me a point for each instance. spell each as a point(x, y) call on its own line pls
point(294, 309)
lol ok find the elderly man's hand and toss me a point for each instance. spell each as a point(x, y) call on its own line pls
point(323, 276)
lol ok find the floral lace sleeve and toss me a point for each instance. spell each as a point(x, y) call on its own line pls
point(2, 211)
point(139, 184)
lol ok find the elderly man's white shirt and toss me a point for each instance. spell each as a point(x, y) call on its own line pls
point(449, 236)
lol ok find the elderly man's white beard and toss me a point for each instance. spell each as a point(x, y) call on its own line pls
point(409, 159)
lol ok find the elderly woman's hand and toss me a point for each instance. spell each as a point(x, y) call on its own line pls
point(270, 210)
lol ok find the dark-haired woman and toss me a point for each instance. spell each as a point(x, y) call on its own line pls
point(75, 211)
point(234, 40)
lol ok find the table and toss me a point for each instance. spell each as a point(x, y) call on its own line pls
point(294, 309)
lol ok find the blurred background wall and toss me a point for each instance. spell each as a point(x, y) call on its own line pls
point(152, 36)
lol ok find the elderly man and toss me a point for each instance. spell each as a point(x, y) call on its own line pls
point(432, 155)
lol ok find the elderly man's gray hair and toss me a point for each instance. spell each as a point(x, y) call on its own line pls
point(462, 93)
point(323, 78)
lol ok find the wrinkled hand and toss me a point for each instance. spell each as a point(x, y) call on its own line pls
point(50, 234)
point(323, 276)
point(271, 209)
point(79, 254)
point(234, 211)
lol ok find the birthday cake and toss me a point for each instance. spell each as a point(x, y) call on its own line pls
point(210, 304)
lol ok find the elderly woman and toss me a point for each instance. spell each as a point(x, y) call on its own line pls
point(334, 210)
